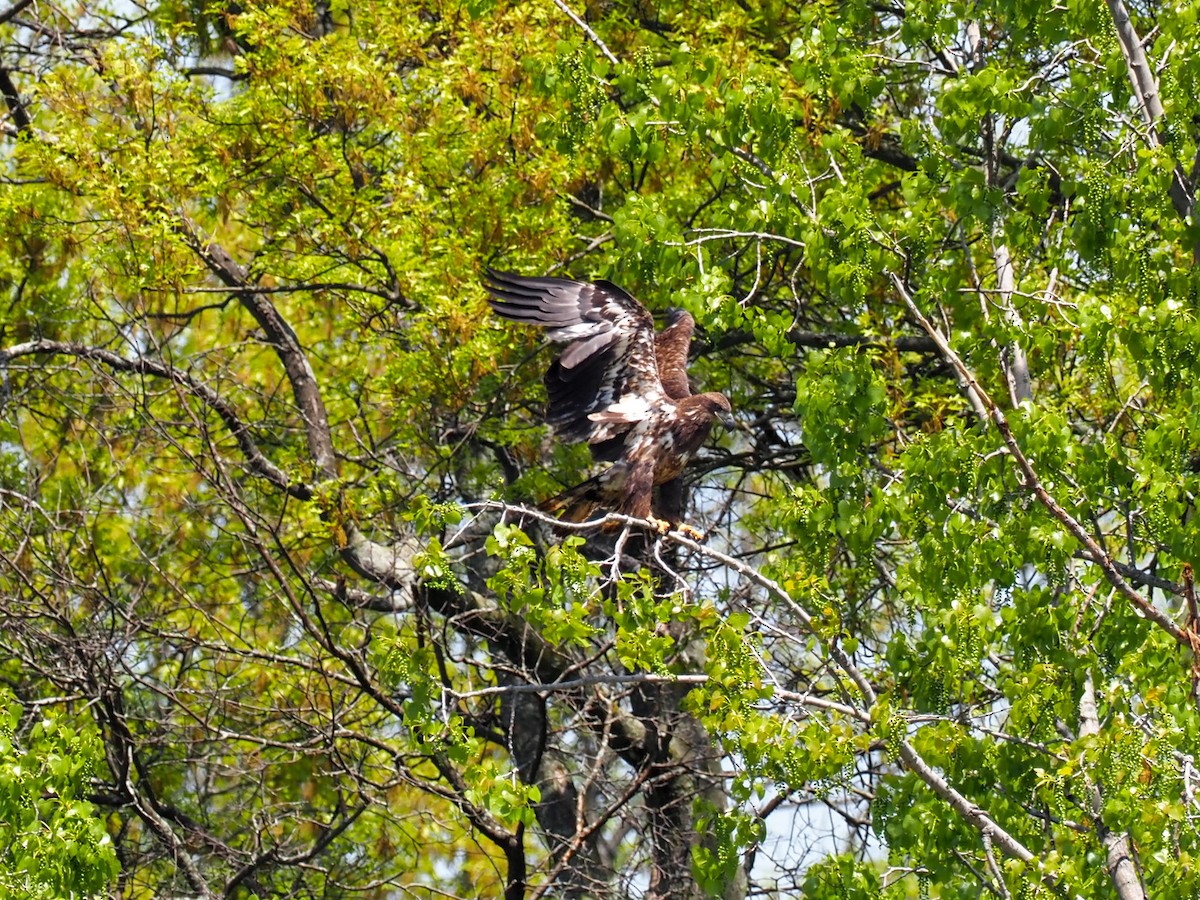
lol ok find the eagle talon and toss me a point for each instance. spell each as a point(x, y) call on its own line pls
point(662, 526)
point(689, 532)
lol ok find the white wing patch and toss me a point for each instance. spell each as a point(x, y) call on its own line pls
point(631, 418)
point(630, 408)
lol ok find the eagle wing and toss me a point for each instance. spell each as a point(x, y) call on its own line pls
point(608, 377)
point(671, 350)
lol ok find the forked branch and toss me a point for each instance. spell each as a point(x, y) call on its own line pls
point(974, 815)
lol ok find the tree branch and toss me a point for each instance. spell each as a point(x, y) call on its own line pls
point(826, 340)
point(280, 336)
point(1145, 89)
point(1012, 357)
point(904, 343)
point(508, 842)
point(391, 565)
point(1119, 860)
point(141, 365)
point(1033, 483)
point(971, 812)
point(12, 99)
point(13, 11)
point(587, 30)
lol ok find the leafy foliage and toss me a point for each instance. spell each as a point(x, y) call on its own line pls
point(274, 575)
point(55, 843)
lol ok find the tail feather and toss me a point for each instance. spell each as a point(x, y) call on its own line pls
point(576, 504)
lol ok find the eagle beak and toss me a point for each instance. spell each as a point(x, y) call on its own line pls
point(726, 418)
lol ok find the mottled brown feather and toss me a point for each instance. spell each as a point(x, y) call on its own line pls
point(610, 350)
point(671, 350)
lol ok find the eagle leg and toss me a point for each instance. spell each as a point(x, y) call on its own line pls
point(639, 490)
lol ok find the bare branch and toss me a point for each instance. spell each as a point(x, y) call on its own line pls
point(824, 340)
point(587, 30)
point(11, 13)
point(390, 565)
point(12, 99)
point(1119, 861)
point(971, 812)
point(142, 365)
point(1012, 356)
point(281, 336)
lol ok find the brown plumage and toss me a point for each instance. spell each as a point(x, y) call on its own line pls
point(618, 386)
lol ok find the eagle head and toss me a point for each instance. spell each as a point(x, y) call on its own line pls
point(718, 406)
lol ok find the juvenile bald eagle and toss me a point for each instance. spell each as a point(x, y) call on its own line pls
point(618, 386)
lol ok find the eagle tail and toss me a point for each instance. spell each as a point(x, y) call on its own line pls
point(576, 504)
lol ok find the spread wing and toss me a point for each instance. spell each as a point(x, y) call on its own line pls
point(607, 379)
point(671, 350)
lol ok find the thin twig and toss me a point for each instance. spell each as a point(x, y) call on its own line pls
point(971, 812)
point(587, 29)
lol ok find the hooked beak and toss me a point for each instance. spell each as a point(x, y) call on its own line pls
point(726, 418)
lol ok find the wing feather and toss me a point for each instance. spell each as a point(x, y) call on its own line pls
point(586, 348)
point(671, 350)
point(610, 357)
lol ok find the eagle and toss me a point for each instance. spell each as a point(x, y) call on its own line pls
point(618, 386)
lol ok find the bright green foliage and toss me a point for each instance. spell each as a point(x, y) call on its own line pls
point(271, 565)
point(54, 839)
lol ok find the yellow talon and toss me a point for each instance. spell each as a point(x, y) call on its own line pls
point(662, 526)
